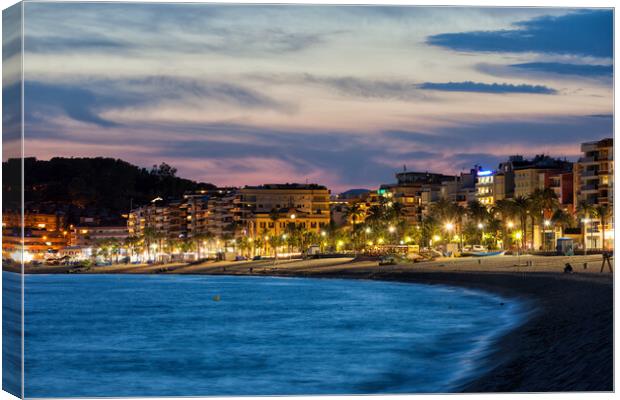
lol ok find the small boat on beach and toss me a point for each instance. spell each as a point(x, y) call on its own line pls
point(488, 253)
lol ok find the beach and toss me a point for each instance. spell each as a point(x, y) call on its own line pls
point(566, 343)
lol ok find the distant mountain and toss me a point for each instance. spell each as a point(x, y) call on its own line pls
point(94, 187)
point(353, 193)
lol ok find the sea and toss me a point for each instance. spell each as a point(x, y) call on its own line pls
point(198, 335)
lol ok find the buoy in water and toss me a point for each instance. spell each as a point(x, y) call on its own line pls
point(216, 297)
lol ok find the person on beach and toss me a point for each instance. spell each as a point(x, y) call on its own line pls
point(568, 269)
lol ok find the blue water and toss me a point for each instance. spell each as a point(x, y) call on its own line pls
point(12, 333)
point(154, 335)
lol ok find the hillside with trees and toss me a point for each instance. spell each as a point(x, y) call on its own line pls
point(97, 187)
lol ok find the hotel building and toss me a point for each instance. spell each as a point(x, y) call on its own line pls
point(415, 191)
point(593, 183)
point(44, 235)
point(273, 209)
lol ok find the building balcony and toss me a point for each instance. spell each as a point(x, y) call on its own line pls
point(589, 188)
point(589, 173)
point(586, 160)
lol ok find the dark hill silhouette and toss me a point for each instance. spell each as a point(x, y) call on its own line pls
point(96, 187)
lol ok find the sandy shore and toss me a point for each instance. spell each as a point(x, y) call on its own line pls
point(565, 345)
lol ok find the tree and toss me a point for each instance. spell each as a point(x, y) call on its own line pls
point(602, 213)
point(543, 202)
point(522, 208)
point(479, 215)
point(504, 210)
point(585, 211)
point(355, 213)
point(445, 212)
point(199, 239)
point(561, 219)
point(163, 170)
point(149, 235)
point(132, 243)
point(274, 216)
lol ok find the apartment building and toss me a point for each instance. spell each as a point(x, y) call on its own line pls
point(416, 191)
point(486, 183)
point(595, 172)
point(44, 235)
point(593, 178)
point(271, 209)
point(537, 174)
point(91, 235)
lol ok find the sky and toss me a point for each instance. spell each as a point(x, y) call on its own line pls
point(343, 96)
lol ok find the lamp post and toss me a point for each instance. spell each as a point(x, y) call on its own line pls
point(519, 236)
point(510, 225)
point(585, 235)
point(481, 227)
point(366, 233)
point(391, 230)
point(546, 224)
point(449, 228)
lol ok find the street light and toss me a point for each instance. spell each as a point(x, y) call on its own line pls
point(449, 226)
point(323, 233)
point(293, 216)
point(585, 233)
point(518, 236)
point(481, 227)
point(391, 229)
point(368, 230)
point(510, 225)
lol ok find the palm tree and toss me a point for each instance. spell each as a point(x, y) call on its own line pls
point(522, 208)
point(505, 210)
point(355, 213)
point(149, 235)
point(131, 243)
point(479, 215)
point(198, 239)
point(543, 201)
point(444, 211)
point(602, 212)
point(561, 219)
point(376, 214)
point(584, 210)
point(275, 216)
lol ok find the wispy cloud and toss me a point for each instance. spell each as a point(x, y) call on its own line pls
point(587, 70)
point(582, 33)
point(478, 87)
point(86, 100)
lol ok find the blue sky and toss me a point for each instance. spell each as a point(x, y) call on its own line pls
point(339, 95)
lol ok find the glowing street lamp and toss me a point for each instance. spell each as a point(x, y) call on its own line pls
point(323, 233)
point(293, 216)
point(391, 229)
point(585, 235)
point(368, 230)
point(510, 225)
point(547, 222)
point(480, 226)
